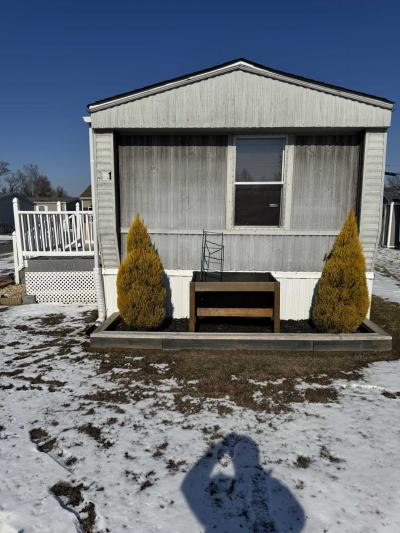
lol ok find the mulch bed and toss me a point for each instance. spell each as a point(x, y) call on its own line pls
point(233, 325)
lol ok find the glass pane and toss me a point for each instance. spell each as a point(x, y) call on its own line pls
point(257, 205)
point(259, 159)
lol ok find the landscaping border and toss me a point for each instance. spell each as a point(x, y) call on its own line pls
point(375, 339)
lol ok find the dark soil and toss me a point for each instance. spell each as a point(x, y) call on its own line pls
point(326, 454)
point(53, 319)
point(160, 449)
point(226, 325)
point(37, 434)
point(41, 438)
point(389, 394)
point(70, 495)
point(90, 316)
point(71, 461)
point(89, 521)
point(175, 466)
point(95, 433)
point(302, 461)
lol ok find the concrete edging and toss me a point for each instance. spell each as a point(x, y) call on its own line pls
point(375, 340)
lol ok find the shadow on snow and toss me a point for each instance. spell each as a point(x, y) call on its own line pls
point(229, 491)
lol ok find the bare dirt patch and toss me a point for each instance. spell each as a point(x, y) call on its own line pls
point(392, 395)
point(90, 316)
point(41, 438)
point(326, 454)
point(70, 496)
point(160, 450)
point(96, 434)
point(175, 466)
point(303, 461)
point(64, 332)
point(53, 319)
point(104, 396)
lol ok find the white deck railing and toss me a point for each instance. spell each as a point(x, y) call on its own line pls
point(52, 233)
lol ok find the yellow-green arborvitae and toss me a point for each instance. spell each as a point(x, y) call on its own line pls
point(342, 299)
point(138, 238)
point(140, 287)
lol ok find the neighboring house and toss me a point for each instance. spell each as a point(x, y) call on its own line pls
point(7, 225)
point(273, 160)
point(390, 235)
point(86, 198)
point(49, 203)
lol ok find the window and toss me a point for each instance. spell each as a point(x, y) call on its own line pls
point(258, 181)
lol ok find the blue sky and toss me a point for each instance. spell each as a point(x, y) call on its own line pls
point(57, 56)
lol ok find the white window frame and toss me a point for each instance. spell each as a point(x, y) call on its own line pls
point(286, 183)
point(41, 207)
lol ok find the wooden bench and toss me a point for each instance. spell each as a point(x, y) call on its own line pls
point(227, 293)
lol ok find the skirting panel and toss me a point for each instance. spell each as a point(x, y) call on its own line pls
point(297, 292)
point(61, 287)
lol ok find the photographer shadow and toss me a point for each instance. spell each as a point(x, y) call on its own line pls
point(229, 491)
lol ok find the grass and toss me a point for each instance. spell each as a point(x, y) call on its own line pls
point(303, 461)
point(326, 454)
point(95, 433)
point(240, 374)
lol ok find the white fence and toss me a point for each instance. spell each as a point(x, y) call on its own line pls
point(51, 233)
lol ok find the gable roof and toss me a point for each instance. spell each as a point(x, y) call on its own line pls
point(239, 64)
point(87, 193)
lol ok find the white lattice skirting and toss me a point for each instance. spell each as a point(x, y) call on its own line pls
point(62, 287)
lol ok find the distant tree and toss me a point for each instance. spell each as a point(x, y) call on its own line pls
point(392, 183)
point(4, 168)
point(393, 179)
point(245, 175)
point(28, 182)
point(34, 183)
point(60, 191)
point(13, 183)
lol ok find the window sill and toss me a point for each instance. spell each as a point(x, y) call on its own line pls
point(241, 231)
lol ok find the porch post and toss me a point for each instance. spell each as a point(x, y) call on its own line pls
point(16, 261)
point(18, 242)
point(78, 218)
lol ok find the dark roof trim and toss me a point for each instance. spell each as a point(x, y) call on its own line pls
point(15, 195)
point(389, 103)
point(53, 199)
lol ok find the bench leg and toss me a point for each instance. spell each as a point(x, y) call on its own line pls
point(277, 311)
point(192, 316)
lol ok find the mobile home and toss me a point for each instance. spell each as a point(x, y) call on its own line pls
point(273, 160)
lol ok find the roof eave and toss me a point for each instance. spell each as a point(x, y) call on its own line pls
point(245, 65)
